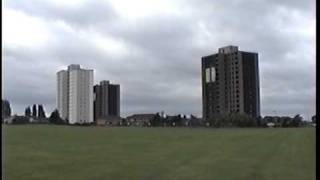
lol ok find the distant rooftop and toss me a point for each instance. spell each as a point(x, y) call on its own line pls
point(73, 67)
point(228, 49)
point(107, 83)
point(104, 82)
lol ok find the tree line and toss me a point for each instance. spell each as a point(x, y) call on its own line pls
point(221, 120)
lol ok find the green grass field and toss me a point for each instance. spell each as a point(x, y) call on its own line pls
point(48, 152)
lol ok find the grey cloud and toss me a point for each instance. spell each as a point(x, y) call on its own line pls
point(84, 15)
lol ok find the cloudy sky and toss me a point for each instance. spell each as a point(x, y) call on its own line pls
point(153, 49)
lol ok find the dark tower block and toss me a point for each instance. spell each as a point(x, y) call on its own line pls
point(230, 83)
point(107, 100)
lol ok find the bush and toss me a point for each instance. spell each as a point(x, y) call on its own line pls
point(233, 120)
point(55, 118)
point(20, 120)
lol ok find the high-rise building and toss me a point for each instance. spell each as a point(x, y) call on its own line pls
point(63, 93)
point(107, 100)
point(230, 83)
point(75, 94)
point(6, 109)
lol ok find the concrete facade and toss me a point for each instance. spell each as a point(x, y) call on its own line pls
point(63, 93)
point(75, 94)
point(230, 83)
point(140, 119)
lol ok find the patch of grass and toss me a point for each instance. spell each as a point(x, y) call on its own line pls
point(67, 152)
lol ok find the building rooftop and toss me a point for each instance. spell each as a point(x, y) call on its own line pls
point(228, 49)
point(104, 82)
point(73, 67)
point(141, 116)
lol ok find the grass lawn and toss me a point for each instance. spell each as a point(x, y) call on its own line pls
point(48, 152)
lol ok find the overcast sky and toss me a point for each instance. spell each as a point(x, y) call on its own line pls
point(153, 49)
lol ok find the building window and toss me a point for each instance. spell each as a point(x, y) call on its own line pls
point(213, 74)
point(208, 75)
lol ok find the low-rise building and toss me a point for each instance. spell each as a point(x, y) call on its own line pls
point(109, 121)
point(140, 119)
point(8, 119)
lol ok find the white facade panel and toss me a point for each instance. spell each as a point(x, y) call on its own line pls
point(73, 96)
point(62, 93)
point(208, 75)
point(213, 74)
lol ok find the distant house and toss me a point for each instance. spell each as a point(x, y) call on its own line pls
point(194, 121)
point(109, 121)
point(20, 120)
point(185, 121)
point(8, 120)
point(100, 121)
point(113, 120)
point(33, 120)
point(170, 121)
point(140, 119)
point(270, 124)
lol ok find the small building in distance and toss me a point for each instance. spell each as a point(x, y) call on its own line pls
point(109, 121)
point(140, 119)
point(192, 121)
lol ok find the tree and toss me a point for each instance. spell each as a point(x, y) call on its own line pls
point(236, 119)
point(313, 118)
point(156, 120)
point(259, 121)
point(285, 121)
point(34, 110)
point(296, 121)
point(55, 117)
point(217, 120)
point(241, 120)
point(177, 120)
point(41, 113)
point(27, 112)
